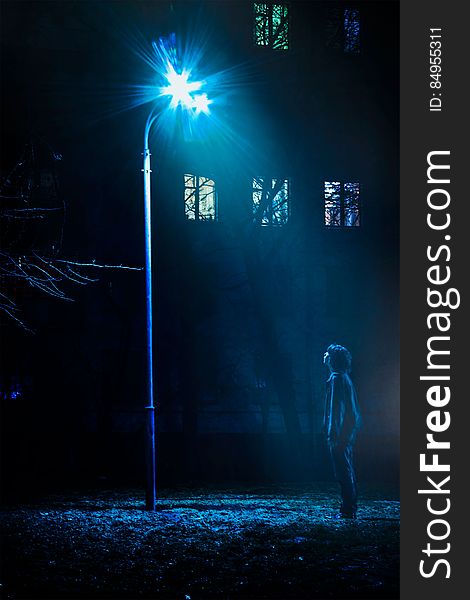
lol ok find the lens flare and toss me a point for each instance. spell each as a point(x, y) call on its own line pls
point(201, 104)
point(180, 89)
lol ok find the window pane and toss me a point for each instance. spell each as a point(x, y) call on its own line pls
point(351, 204)
point(280, 204)
point(190, 196)
point(271, 25)
point(280, 27)
point(259, 197)
point(342, 30)
point(257, 193)
point(351, 30)
point(273, 195)
point(332, 203)
point(207, 199)
point(200, 198)
point(261, 24)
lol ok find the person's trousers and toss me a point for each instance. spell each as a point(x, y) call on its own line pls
point(345, 474)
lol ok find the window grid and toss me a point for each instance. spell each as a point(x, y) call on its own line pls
point(271, 25)
point(351, 31)
point(343, 30)
point(274, 196)
point(342, 204)
point(200, 198)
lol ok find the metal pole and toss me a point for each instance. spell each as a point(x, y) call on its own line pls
point(151, 494)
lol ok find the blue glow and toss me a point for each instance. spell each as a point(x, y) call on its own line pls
point(209, 113)
point(201, 104)
point(180, 89)
point(178, 69)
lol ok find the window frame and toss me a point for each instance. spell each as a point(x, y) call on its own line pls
point(271, 41)
point(348, 47)
point(267, 220)
point(339, 38)
point(343, 207)
point(197, 200)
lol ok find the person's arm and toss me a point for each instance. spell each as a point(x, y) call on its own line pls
point(336, 409)
point(357, 418)
point(354, 420)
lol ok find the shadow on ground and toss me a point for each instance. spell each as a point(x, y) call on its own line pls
point(271, 542)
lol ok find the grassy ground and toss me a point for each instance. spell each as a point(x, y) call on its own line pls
point(274, 542)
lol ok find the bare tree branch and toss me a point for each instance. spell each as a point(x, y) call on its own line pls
point(30, 195)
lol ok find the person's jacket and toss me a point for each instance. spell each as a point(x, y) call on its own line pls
point(342, 418)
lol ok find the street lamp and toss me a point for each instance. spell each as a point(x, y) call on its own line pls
point(182, 94)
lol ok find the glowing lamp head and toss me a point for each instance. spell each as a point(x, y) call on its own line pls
point(181, 91)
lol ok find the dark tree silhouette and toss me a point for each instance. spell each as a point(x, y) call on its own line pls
point(32, 217)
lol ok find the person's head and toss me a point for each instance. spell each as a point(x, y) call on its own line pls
point(337, 358)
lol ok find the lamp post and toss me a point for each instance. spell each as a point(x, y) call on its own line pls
point(151, 492)
point(181, 93)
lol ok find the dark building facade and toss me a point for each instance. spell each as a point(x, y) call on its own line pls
point(276, 230)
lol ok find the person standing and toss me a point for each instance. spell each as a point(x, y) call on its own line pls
point(342, 420)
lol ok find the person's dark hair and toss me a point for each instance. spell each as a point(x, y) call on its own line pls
point(340, 357)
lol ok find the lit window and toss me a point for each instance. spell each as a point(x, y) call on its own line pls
point(271, 201)
point(271, 25)
point(342, 207)
point(200, 198)
point(351, 30)
point(343, 30)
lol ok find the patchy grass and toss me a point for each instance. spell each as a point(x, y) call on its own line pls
point(273, 542)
